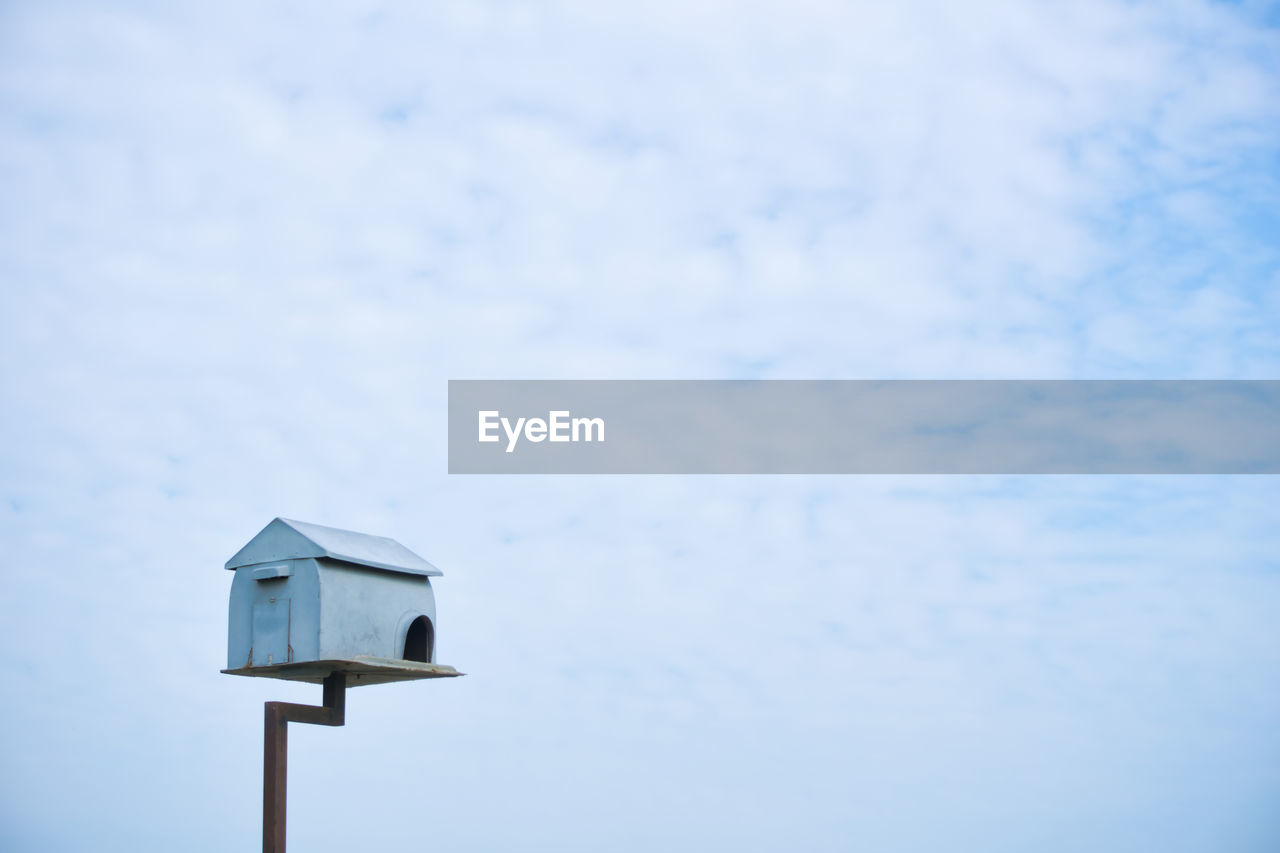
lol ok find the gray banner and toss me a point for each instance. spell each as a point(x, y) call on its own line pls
point(864, 427)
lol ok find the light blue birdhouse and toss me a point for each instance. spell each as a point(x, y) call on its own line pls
point(309, 600)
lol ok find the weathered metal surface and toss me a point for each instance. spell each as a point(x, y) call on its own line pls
point(285, 539)
point(271, 631)
point(275, 770)
point(359, 670)
point(338, 611)
point(248, 632)
point(365, 612)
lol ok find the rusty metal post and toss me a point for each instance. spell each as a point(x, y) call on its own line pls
point(276, 752)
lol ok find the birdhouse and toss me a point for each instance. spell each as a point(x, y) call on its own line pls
point(308, 601)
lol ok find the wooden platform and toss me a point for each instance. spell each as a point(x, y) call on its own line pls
point(360, 670)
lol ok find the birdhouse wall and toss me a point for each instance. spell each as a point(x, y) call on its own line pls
point(276, 619)
point(366, 611)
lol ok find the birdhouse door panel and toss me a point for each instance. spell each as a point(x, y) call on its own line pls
point(271, 632)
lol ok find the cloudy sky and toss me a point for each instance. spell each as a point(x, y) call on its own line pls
point(244, 246)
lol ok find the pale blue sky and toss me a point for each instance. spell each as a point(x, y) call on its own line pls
point(244, 246)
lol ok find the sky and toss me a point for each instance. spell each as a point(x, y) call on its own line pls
point(244, 246)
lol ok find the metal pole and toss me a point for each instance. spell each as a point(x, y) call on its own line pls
point(276, 752)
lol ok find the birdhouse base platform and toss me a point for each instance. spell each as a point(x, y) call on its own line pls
point(360, 670)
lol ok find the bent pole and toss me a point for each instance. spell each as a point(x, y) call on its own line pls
point(276, 752)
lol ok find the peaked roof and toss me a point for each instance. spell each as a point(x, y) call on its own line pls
point(284, 539)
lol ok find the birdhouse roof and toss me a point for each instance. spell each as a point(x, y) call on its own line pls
point(284, 539)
